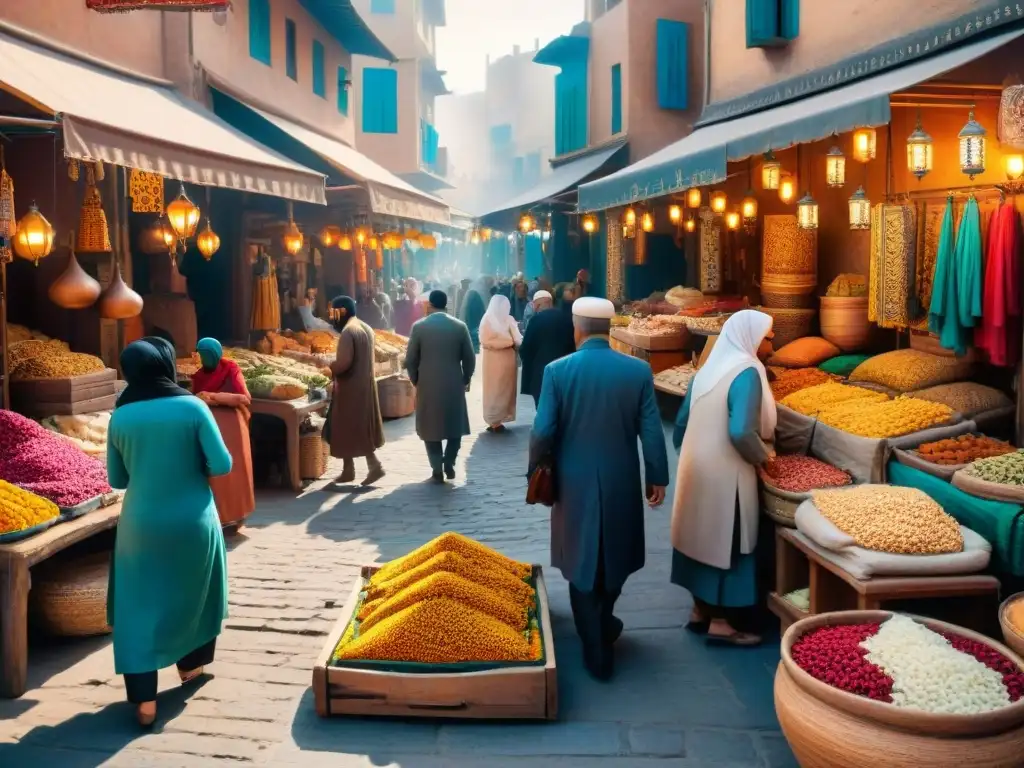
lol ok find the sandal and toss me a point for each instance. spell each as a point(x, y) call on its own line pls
point(735, 638)
point(188, 677)
point(145, 713)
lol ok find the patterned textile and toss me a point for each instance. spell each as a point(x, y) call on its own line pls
point(8, 221)
point(93, 233)
point(892, 274)
point(147, 191)
point(710, 252)
point(789, 264)
point(613, 263)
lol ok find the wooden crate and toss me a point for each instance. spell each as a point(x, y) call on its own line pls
point(39, 398)
point(523, 693)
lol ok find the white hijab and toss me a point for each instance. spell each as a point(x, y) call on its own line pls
point(498, 315)
point(734, 351)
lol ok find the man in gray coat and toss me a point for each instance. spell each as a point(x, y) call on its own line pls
point(440, 361)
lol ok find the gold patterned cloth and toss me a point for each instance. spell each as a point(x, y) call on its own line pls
point(710, 252)
point(93, 233)
point(147, 191)
point(892, 276)
point(789, 264)
point(8, 219)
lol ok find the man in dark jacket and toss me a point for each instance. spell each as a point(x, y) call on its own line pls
point(548, 337)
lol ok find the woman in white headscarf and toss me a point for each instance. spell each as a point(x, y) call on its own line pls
point(499, 340)
point(724, 431)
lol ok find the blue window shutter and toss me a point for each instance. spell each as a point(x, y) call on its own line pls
point(617, 99)
point(380, 100)
point(673, 49)
point(571, 108)
point(429, 141)
point(342, 91)
point(319, 75)
point(789, 19)
point(291, 67)
point(382, 6)
point(259, 30)
point(762, 23)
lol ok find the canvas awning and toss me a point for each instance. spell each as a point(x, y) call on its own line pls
point(701, 158)
point(137, 123)
point(388, 194)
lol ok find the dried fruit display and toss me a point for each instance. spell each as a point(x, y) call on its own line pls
point(885, 518)
point(963, 449)
point(20, 510)
point(39, 461)
point(790, 380)
point(889, 418)
point(905, 663)
point(800, 474)
point(1007, 469)
point(811, 401)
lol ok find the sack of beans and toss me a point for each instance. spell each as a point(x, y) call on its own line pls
point(1000, 478)
point(967, 397)
point(908, 370)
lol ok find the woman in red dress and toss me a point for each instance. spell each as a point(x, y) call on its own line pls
point(219, 383)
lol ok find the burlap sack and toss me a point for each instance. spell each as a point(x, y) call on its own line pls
point(985, 490)
point(793, 431)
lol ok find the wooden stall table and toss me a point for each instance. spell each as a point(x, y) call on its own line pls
point(659, 352)
point(292, 413)
point(16, 560)
point(833, 589)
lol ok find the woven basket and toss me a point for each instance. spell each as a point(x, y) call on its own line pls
point(790, 324)
point(397, 397)
point(70, 599)
point(781, 506)
point(313, 455)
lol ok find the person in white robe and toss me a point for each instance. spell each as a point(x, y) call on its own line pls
point(499, 341)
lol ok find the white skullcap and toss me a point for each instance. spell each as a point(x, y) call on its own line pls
point(541, 295)
point(594, 308)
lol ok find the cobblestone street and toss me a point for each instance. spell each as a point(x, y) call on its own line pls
point(673, 703)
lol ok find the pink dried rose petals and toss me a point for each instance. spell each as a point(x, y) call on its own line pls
point(39, 461)
point(834, 655)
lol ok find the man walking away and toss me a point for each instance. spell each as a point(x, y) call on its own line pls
point(549, 336)
point(594, 404)
point(440, 361)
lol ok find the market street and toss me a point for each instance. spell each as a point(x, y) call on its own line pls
point(673, 703)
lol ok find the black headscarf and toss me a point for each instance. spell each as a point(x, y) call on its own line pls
point(150, 370)
point(349, 305)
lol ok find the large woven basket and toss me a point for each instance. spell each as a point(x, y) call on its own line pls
point(397, 397)
point(790, 324)
point(781, 505)
point(313, 455)
point(70, 599)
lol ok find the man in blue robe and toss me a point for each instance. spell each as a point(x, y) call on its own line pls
point(594, 405)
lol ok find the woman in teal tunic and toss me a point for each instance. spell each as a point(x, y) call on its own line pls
point(168, 579)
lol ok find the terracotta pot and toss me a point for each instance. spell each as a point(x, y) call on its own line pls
point(1013, 636)
point(844, 321)
point(829, 728)
point(75, 288)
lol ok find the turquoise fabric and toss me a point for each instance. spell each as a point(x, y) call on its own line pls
point(999, 522)
point(734, 588)
point(210, 352)
point(968, 267)
point(744, 417)
point(956, 293)
point(168, 579)
point(843, 365)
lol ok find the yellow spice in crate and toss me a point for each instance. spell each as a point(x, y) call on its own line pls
point(440, 631)
point(57, 366)
point(885, 518)
point(891, 418)
point(457, 588)
point(20, 509)
point(451, 542)
point(496, 579)
point(813, 400)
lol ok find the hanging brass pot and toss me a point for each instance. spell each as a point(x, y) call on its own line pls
point(119, 302)
point(75, 288)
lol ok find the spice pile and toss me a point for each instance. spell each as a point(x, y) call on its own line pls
point(658, 325)
point(813, 400)
point(906, 664)
point(21, 510)
point(677, 378)
point(790, 380)
point(800, 474)
point(41, 462)
point(885, 518)
point(966, 397)
point(906, 370)
point(889, 418)
point(51, 360)
point(1007, 469)
point(452, 600)
point(963, 449)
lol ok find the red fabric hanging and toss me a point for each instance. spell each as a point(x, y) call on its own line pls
point(999, 334)
point(123, 6)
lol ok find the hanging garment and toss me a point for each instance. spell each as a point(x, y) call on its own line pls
point(93, 233)
point(956, 295)
point(8, 220)
point(147, 191)
point(929, 224)
point(892, 274)
point(998, 334)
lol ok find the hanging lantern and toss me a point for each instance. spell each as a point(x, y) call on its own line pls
point(208, 242)
point(629, 217)
point(428, 241)
point(527, 223)
point(972, 148)
point(361, 235)
point(167, 232)
point(373, 242)
point(412, 234)
point(865, 145)
point(361, 266)
point(647, 222)
point(719, 202)
point(694, 197)
point(919, 152)
point(33, 239)
point(787, 189)
point(1014, 167)
point(183, 216)
point(474, 239)
point(835, 167)
point(860, 210)
point(675, 214)
point(748, 211)
point(732, 220)
point(590, 223)
point(690, 225)
point(329, 236)
point(292, 238)
point(392, 241)
point(807, 212)
point(345, 243)
point(771, 172)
